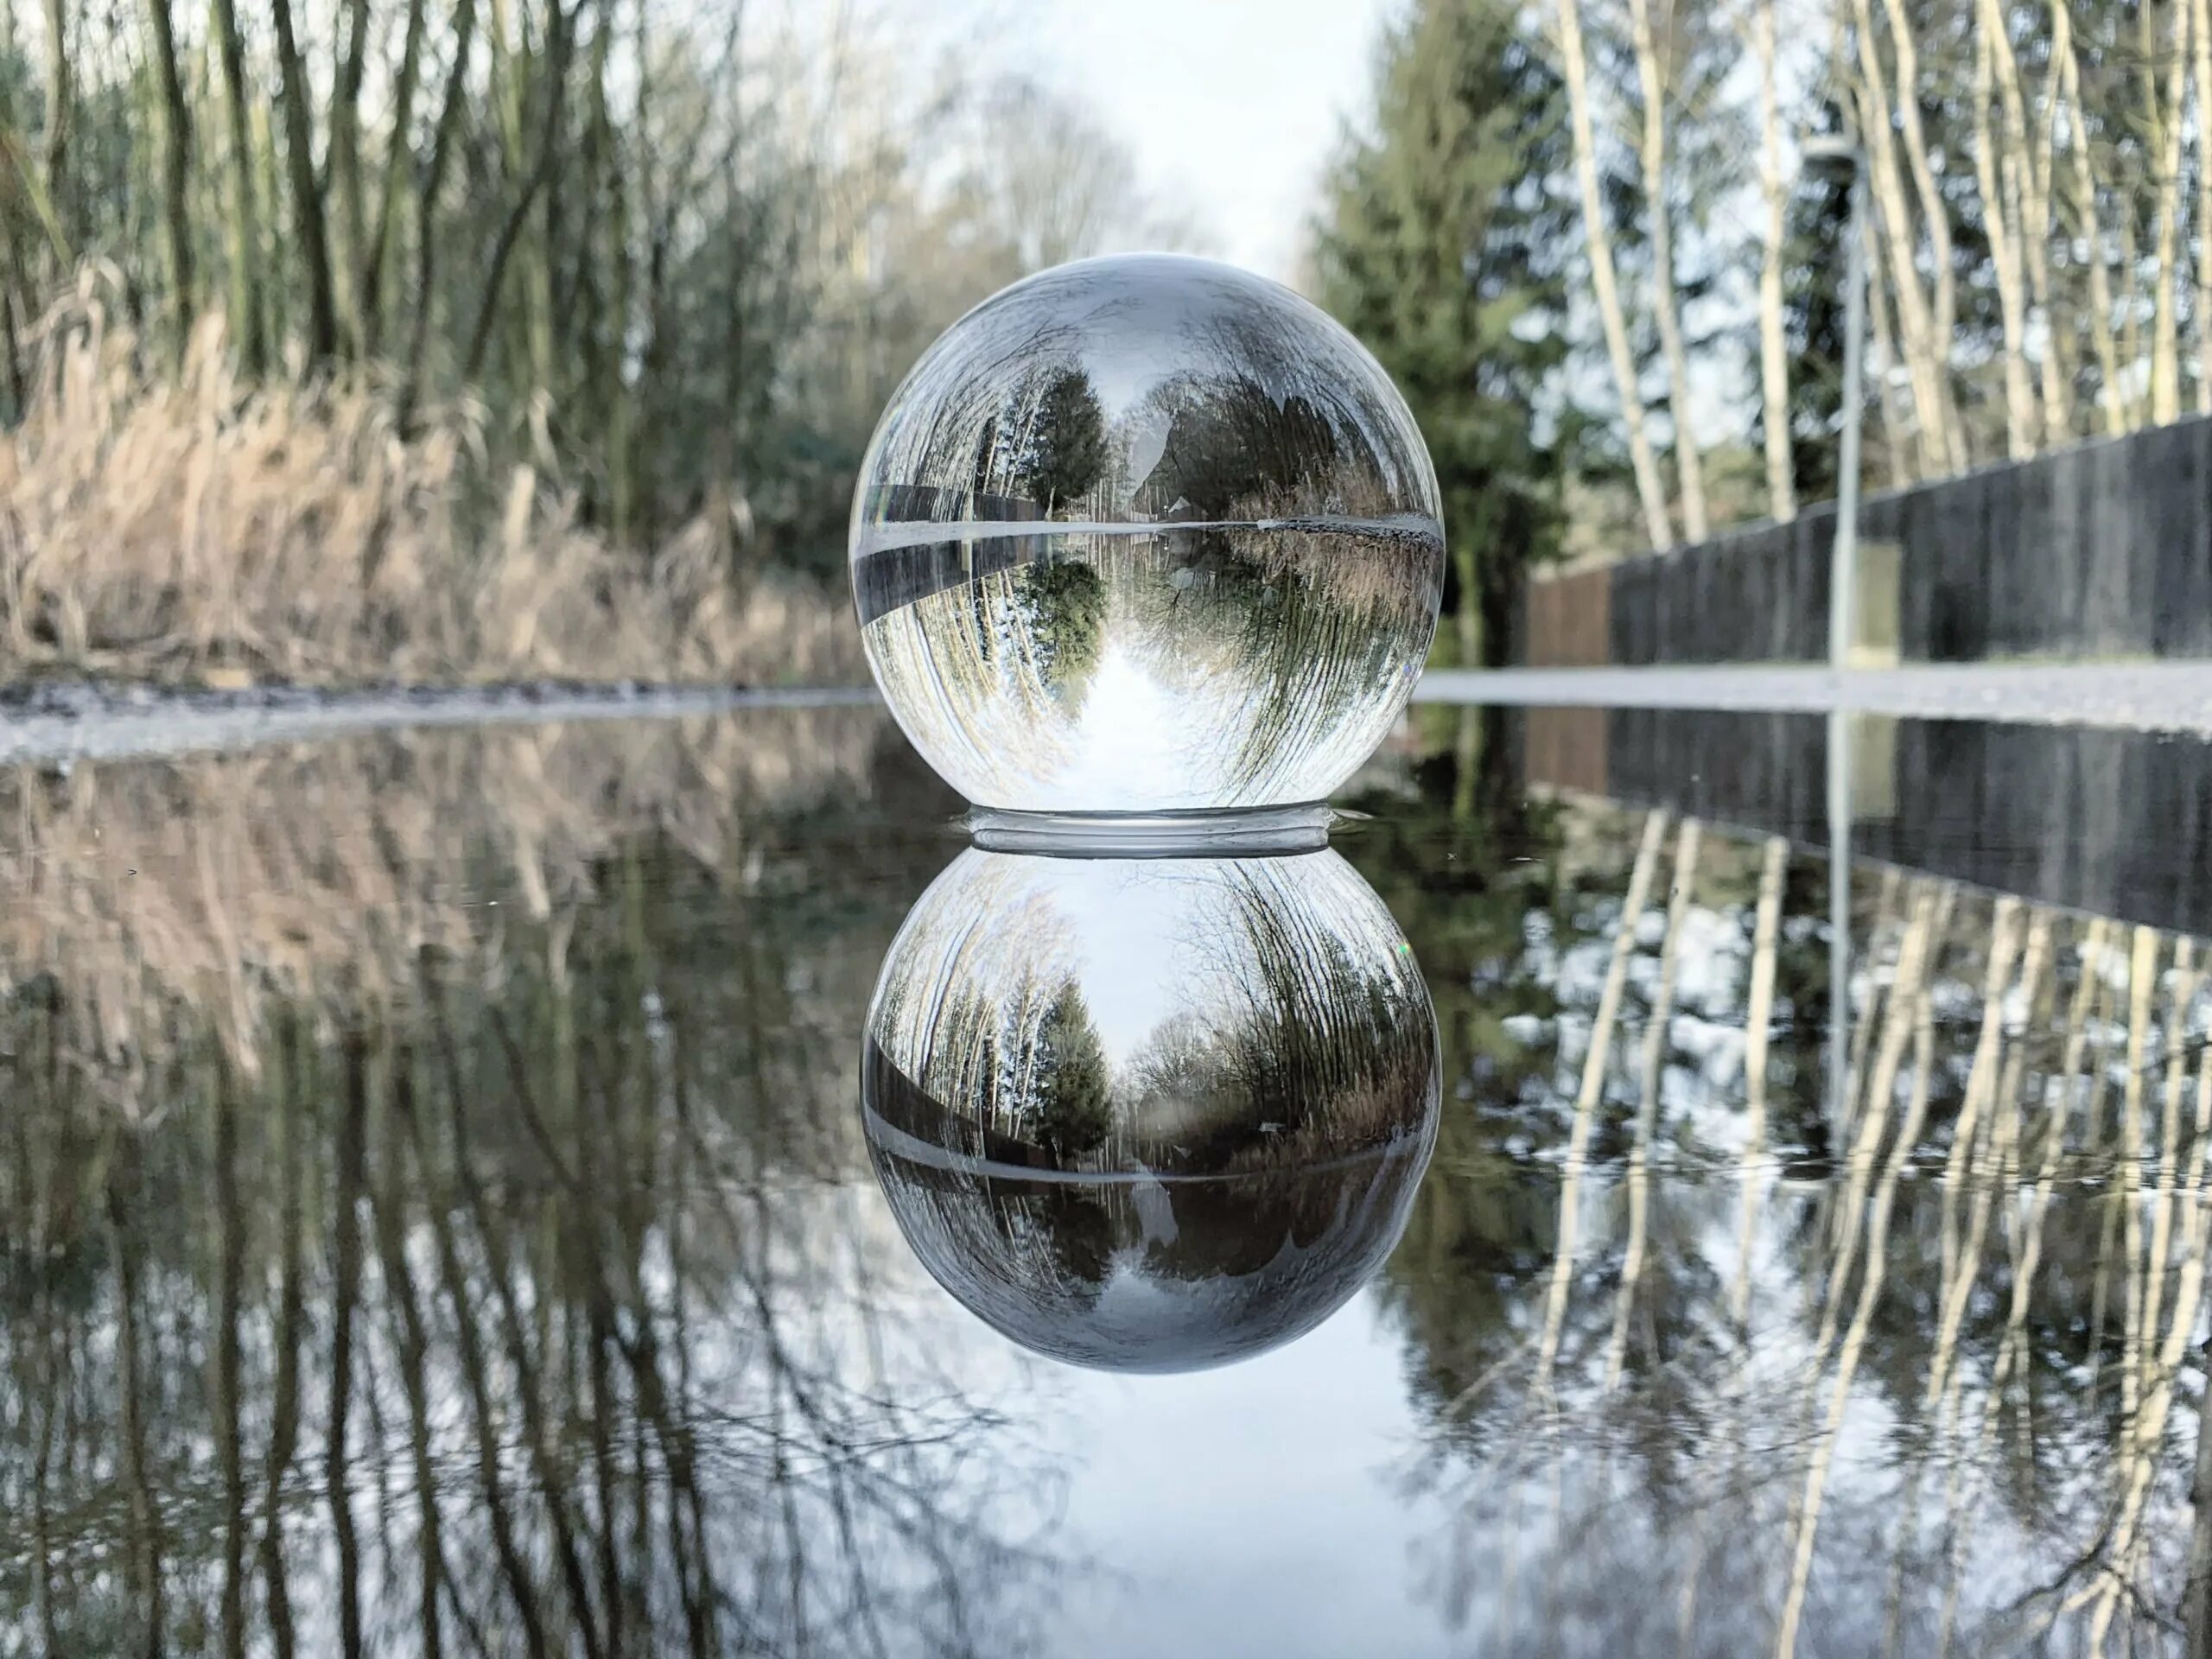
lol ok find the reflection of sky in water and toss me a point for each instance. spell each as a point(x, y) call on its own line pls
point(1250, 1510)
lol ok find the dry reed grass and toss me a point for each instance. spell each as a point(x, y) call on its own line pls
point(180, 526)
point(216, 884)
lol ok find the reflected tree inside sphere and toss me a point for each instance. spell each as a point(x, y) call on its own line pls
point(1142, 534)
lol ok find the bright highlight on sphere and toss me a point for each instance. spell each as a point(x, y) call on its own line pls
point(1143, 534)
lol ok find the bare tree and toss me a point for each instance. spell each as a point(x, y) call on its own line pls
point(175, 123)
point(60, 117)
point(307, 223)
point(1604, 282)
point(1652, 76)
point(1997, 173)
point(1943, 323)
point(1920, 346)
point(348, 274)
point(1774, 361)
point(2164, 128)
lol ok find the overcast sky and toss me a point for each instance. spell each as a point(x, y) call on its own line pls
point(1232, 107)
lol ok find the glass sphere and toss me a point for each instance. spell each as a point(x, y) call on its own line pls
point(1150, 1114)
point(1142, 534)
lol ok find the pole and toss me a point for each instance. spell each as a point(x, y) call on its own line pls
point(1843, 595)
point(1843, 568)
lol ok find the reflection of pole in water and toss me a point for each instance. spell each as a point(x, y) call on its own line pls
point(1839, 915)
point(1760, 1017)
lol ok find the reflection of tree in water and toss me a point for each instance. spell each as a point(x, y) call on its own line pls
point(1310, 1038)
point(513, 1308)
point(1946, 1274)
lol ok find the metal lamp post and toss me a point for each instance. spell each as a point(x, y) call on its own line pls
point(1827, 151)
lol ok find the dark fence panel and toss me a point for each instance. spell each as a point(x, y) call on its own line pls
point(2075, 817)
point(2101, 549)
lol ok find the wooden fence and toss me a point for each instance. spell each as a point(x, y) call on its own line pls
point(2102, 549)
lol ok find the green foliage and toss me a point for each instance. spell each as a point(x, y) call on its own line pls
point(1442, 246)
point(1066, 601)
point(1073, 1110)
point(1067, 450)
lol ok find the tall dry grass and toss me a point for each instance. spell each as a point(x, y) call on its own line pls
point(166, 522)
point(217, 883)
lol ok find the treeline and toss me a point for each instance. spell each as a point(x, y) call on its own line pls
point(1585, 238)
point(673, 256)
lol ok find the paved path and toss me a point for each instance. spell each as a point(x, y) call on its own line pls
point(65, 723)
point(59, 723)
point(2167, 697)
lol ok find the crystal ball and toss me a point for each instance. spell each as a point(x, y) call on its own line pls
point(1146, 534)
point(1150, 1114)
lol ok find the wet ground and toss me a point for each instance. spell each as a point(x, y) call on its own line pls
point(438, 1212)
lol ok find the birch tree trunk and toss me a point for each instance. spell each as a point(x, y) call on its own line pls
point(1924, 360)
point(1895, 419)
point(1943, 323)
point(2167, 125)
point(1602, 282)
point(2034, 170)
point(2004, 249)
point(1774, 360)
point(1653, 149)
point(2089, 227)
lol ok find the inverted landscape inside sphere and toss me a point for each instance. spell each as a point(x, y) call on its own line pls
point(1150, 1114)
point(1142, 534)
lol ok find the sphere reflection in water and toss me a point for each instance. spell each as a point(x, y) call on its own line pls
point(1142, 534)
point(1150, 1114)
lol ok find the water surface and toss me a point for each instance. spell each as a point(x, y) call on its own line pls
point(437, 1213)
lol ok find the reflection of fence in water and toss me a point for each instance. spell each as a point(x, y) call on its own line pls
point(2085, 819)
point(2050, 1130)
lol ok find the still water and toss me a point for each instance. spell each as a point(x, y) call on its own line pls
point(649, 1188)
